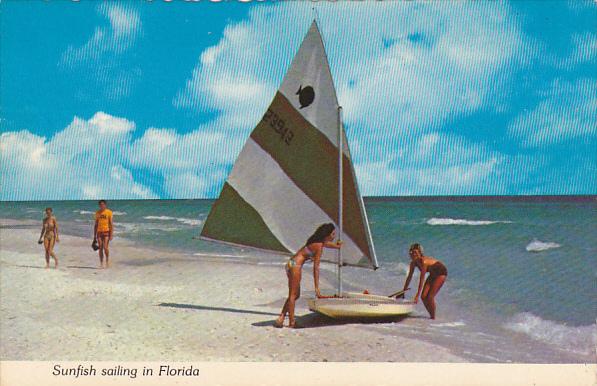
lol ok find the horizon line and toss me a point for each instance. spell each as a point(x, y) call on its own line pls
point(522, 197)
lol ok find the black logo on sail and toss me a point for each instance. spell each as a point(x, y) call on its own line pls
point(306, 95)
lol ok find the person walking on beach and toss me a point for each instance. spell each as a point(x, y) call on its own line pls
point(437, 276)
point(103, 232)
point(312, 250)
point(49, 236)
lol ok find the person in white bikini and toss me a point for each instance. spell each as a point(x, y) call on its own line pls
point(49, 236)
point(322, 238)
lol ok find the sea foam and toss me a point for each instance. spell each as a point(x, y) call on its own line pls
point(539, 246)
point(182, 220)
point(449, 324)
point(581, 339)
point(459, 221)
point(85, 212)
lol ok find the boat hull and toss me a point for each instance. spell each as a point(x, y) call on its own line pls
point(356, 305)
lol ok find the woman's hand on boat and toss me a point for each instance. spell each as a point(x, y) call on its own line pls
point(317, 294)
point(330, 244)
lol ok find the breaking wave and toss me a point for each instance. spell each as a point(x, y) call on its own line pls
point(85, 212)
point(539, 246)
point(182, 220)
point(580, 339)
point(459, 221)
point(449, 324)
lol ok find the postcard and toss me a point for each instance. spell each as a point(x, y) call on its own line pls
point(358, 192)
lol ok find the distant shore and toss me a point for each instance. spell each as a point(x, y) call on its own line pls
point(158, 305)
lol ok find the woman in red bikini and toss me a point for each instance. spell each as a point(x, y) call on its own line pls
point(437, 276)
point(322, 238)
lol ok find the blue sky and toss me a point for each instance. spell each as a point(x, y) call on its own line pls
point(155, 99)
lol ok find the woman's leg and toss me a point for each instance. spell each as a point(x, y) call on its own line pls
point(47, 249)
point(51, 252)
point(435, 287)
point(295, 288)
point(425, 292)
point(280, 321)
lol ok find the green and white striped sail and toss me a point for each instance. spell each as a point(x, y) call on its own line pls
point(284, 183)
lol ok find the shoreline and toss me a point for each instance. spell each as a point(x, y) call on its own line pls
point(159, 305)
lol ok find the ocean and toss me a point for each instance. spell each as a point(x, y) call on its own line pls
point(522, 271)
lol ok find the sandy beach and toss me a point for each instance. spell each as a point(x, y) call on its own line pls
point(157, 305)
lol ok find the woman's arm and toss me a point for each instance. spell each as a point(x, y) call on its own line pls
point(95, 230)
point(56, 231)
point(411, 270)
point(43, 230)
point(316, 260)
point(333, 245)
point(421, 280)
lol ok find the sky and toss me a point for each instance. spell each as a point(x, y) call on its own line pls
point(139, 100)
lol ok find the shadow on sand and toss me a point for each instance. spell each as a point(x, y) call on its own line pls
point(32, 266)
point(218, 309)
point(81, 267)
point(313, 320)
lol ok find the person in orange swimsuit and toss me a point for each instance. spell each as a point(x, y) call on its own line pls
point(103, 232)
point(49, 236)
point(312, 250)
point(437, 276)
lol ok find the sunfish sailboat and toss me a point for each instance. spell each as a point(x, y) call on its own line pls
point(290, 177)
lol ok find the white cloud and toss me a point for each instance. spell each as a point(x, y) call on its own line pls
point(100, 59)
point(191, 165)
point(404, 65)
point(85, 160)
point(229, 79)
point(164, 149)
point(96, 158)
point(434, 164)
point(403, 69)
point(583, 50)
point(567, 110)
point(125, 25)
point(189, 184)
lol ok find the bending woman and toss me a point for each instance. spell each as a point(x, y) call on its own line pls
point(437, 276)
point(49, 236)
point(312, 250)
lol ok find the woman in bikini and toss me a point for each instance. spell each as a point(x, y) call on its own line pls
point(49, 236)
point(312, 250)
point(437, 276)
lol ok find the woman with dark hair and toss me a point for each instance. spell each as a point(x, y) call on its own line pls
point(49, 236)
point(437, 276)
point(312, 250)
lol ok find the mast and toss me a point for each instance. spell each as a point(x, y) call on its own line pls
point(340, 155)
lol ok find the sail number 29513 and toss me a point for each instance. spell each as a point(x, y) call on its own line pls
point(279, 126)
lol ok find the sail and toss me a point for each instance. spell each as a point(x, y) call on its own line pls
point(284, 183)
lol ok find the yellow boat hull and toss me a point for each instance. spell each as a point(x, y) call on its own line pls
point(357, 305)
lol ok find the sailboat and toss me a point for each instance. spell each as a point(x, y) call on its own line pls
point(291, 177)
